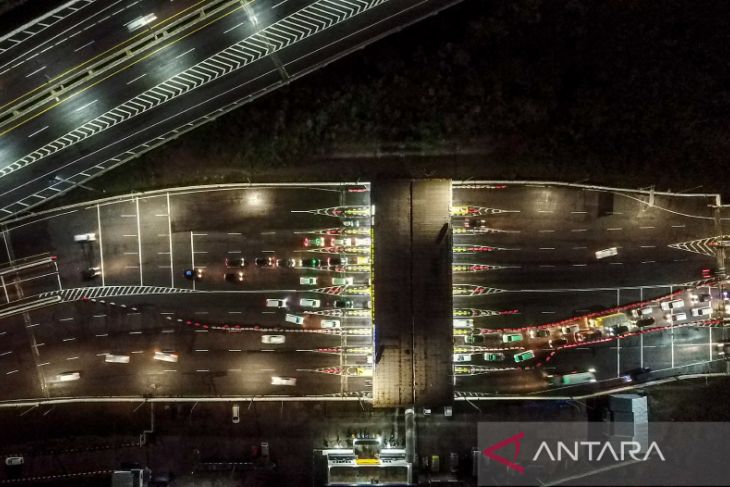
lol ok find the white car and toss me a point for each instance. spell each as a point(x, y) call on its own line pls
point(362, 242)
point(13, 461)
point(166, 356)
point(675, 304)
point(296, 319)
point(116, 358)
point(310, 303)
point(462, 357)
point(610, 252)
point(308, 281)
point(329, 323)
point(283, 381)
point(351, 223)
point(463, 322)
point(273, 339)
point(276, 303)
point(140, 22)
point(702, 311)
point(68, 376)
point(85, 237)
point(343, 281)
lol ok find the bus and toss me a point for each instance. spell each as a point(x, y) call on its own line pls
point(572, 379)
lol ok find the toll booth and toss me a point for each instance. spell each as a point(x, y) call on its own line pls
point(366, 463)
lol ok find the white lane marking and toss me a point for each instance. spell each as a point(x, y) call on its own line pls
point(580, 265)
point(43, 364)
point(580, 247)
point(678, 226)
point(72, 358)
point(184, 53)
point(169, 236)
point(102, 335)
point(135, 332)
point(35, 72)
point(548, 312)
point(546, 231)
point(38, 131)
point(84, 106)
point(234, 27)
point(579, 230)
point(69, 339)
point(201, 350)
point(546, 265)
point(234, 233)
point(578, 212)
point(129, 235)
point(547, 248)
point(167, 331)
point(648, 261)
point(201, 331)
point(615, 263)
point(101, 245)
point(201, 312)
point(11, 372)
point(66, 319)
point(279, 4)
point(647, 228)
point(235, 350)
point(202, 370)
point(6, 353)
point(139, 240)
point(614, 229)
point(234, 252)
point(648, 246)
point(545, 211)
point(85, 45)
point(235, 312)
point(136, 79)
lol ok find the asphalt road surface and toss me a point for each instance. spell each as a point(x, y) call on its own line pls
point(187, 76)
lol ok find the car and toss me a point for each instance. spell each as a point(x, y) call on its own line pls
point(523, 356)
point(512, 337)
point(475, 223)
point(678, 317)
point(343, 242)
point(329, 323)
point(116, 358)
point(14, 461)
point(637, 374)
point(587, 335)
point(646, 311)
point(91, 273)
point(275, 303)
point(68, 376)
point(313, 263)
point(702, 311)
point(273, 339)
point(193, 274)
point(569, 329)
point(557, 342)
point(474, 339)
point(343, 303)
point(617, 330)
point(610, 252)
point(235, 262)
point(357, 189)
point(462, 357)
point(645, 322)
point(362, 260)
point(140, 22)
point(705, 298)
point(233, 276)
point(308, 281)
point(343, 281)
point(264, 261)
point(315, 242)
point(283, 381)
point(539, 333)
point(351, 223)
point(296, 319)
point(310, 303)
point(453, 462)
point(85, 237)
point(335, 261)
point(165, 356)
point(693, 298)
point(463, 323)
point(494, 357)
point(674, 304)
point(286, 263)
point(235, 417)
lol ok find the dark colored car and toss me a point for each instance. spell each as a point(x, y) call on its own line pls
point(474, 339)
point(557, 342)
point(264, 262)
point(475, 223)
point(235, 262)
point(193, 274)
point(311, 262)
point(337, 261)
point(233, 276)
point(344, 303)
point(91, 273)
point(618, 330)
point(636, 375)
point(645, 322)
point(587, 335)
point(286, 263)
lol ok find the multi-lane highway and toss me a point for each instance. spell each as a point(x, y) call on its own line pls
point(80, 103)
point(525, 265)
point(245, 291)
point(243, 287)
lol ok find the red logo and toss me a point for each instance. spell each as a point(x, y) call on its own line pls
point(489, 452)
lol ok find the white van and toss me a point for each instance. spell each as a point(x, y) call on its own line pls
point(310, 303)
point(674, 304)
point(329, 323)
point(276, 303)
point(116, 358)
point(610, 252)
point(702, 311)
point(297, 320)
point(85, 237)
point(463, 323)
point(235, 417)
